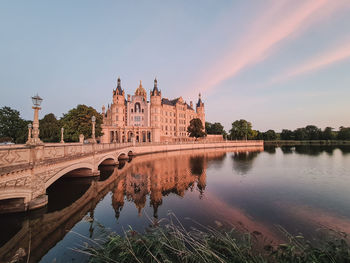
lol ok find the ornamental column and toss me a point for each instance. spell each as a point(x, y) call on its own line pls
point(35, 132)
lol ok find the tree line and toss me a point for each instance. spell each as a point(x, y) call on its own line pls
point(76, 121)
point(242, 129)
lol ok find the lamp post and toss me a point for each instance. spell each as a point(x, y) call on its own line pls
point(93, 119)
point(30, 126)
point(36, 102)
point(62, 130)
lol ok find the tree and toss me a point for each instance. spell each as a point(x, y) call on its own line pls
point(328, 134)
point(259, 135)
point(241, 129)
point(195, 129)
point(12, 125)
point(78, 121)
point(287, 135)
point(344, 133)
point(215, 128)
point(300, 134)
point(49, 128)
point(312, 132)
point(270, 135)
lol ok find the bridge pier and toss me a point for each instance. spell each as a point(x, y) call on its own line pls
point(38, 202)
point(16, 205)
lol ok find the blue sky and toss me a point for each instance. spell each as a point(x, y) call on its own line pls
point(277, 63)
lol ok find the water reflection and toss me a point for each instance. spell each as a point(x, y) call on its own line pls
point(243, 161)
point(287, 149)
point(313, 150)
point(270, 149)
point(168, 175)
point(345, 149)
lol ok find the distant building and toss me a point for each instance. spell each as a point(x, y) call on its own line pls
point(140, 120)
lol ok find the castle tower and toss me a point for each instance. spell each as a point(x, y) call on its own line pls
point(118, 106)
point(200, 110)
point(156, 105)
point(156, 111)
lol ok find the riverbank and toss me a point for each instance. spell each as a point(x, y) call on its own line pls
point(173, 243)
point(311, 142)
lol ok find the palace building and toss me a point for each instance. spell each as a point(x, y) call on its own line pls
point(138, 119)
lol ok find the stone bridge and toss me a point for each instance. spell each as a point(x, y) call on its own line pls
point(27, 171)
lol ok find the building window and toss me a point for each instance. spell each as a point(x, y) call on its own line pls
point(117, 118)
point(142, 110)
point(137, 107)
point(137, 118)
point(132, 110)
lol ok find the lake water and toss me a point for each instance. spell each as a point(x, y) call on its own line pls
point(301, 189)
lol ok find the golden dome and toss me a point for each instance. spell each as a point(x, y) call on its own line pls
point(140, 91)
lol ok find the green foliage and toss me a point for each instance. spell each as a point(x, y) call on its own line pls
point(328, 134)
point(215, 128)
point(12, 125)
point(287, 135)
point(269, 135)
point(242, 129)
point(196, 129)
point(344, 133)
point(173, 243)
point(78, 121)
point(49, 128)
point(311, 132)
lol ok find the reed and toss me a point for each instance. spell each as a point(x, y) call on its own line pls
point(171, 242)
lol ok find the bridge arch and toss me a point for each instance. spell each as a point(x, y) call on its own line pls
point(123, 155)
point(68, 169)
point(106, 157)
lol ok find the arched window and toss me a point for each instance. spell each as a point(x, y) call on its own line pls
point(137, 107)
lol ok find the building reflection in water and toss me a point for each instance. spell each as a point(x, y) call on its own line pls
point(167, 173)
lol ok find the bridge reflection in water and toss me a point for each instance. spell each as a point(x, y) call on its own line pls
point(70, 199)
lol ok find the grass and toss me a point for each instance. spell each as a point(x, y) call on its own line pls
point(171, 242)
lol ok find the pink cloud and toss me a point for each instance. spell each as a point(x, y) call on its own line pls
point(275, 24)
point(329, 58)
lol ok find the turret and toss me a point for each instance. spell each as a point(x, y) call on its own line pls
point(156, 104)
point(103, 110)
point(200, 109)
point(118, 106)
point(140, 91)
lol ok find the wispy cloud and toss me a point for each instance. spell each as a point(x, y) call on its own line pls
point(335, 55)
point(275, 24)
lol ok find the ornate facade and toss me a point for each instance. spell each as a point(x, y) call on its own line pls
point(137, 119)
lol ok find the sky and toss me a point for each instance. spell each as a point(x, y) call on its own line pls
point(276, 63)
